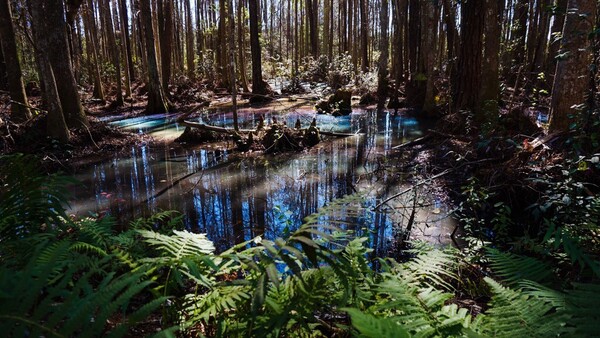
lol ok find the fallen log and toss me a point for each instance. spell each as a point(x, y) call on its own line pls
point(247, 131)
point(214, 128)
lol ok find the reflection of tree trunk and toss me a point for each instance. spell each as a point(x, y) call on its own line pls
point(237, 214)
point(13, 66)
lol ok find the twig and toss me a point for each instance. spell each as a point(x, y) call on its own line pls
point(418, 184)
point(413, 142)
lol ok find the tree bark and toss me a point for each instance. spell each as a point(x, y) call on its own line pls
point(490, 84)
point(571, 82)
point(189, 41)
point(165, 24)
point(19, 113)
point(56, 126)
point(58, 54)
point(157, 102)
point(429, 40)
point(382, 89)
point(113, 50)
point(364, 34)
point(259, 86)
point(468, 80)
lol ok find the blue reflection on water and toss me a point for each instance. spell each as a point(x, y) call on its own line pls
point(234, 198)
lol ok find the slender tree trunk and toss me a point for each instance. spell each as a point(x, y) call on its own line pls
point(571, 82)
point(313, 27)
point(19, 113)
point(190, 40)
point(3, 75)
point(259, 86)
point(556, 32)
point(113, 51)
point(242, 46)
point(157, 102)
point(364, 34)
point(382, 90)
point(232, 71)
point(88, 15)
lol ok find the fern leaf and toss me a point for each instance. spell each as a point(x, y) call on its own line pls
point(373, 327)
point(514, 268)
point(516, 314)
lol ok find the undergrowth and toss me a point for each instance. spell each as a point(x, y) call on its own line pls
point(63, 277)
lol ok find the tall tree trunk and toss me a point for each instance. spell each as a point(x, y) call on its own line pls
point(221, 51)
point(560, 9)
point(232, 71)
point(58, 54)
point(88, 16)
point(127, 40)
point(518, 41)
point(259, 86)
point(113, 50)
point(56, 126)
point(364, 34)
point(490, 83)
point(19, 112)
point(3, 75)
point(382, 89)
point(157, 102)
point(429, 42)
point(468, 81)
point(313, 27)
point(165, 26)
point(189, 40)
point(571, 82)
point(242, 45)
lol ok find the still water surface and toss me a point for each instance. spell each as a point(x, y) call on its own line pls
point(234, 197)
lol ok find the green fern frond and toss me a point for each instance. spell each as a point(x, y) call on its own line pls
point(516, 314)
point(432, 267)
point(514, 268)
point(374, 327)
point(183, 244)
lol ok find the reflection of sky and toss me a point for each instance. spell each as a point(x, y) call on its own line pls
point(234, 197)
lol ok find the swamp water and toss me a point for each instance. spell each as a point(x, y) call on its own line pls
point(234, 197)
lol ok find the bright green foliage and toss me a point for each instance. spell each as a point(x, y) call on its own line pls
point(81, 278)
